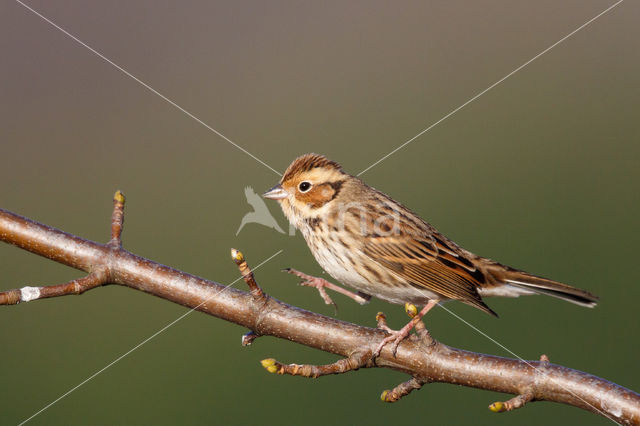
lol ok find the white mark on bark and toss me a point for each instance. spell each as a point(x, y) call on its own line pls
point(28, 294)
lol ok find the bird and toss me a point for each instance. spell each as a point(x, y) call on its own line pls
point(260, 213)
point(368, 241)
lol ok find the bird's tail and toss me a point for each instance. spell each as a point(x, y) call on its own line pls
point(535, 284)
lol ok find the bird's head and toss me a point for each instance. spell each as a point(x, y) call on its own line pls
point(310, 183)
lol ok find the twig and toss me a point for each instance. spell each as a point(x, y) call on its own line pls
point(248, 338)
point(266, 316)
point(381, 322)
point(423, 334)
point(247, 274)
point(401, 390)
point(117, 219)
point(97, 277)
point(512, 404)
point(351, 363)
point(526, 395)
point(79, 286)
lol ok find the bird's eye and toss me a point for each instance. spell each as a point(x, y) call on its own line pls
point(304, 186)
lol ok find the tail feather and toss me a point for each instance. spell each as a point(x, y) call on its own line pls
point(551, 288)
point(540, 285)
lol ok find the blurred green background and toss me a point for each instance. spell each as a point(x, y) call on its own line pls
point(541, 173)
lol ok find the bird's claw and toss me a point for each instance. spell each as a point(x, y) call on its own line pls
point(395, 337)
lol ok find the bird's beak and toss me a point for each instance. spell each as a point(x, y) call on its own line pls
point(276, 193)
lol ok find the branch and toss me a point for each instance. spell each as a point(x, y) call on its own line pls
point(421, 357)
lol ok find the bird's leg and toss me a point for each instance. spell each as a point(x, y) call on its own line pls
point(321, 284)
point(398, 336)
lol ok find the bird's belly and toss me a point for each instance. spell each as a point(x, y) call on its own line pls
point(347, 266)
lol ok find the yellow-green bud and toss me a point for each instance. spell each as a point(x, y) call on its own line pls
point(411, 309)
point(497, 407)
point(270, 365)
point(119, 197)
point(237, 256)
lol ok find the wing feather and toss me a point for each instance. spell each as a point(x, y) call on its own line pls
point(429, 263)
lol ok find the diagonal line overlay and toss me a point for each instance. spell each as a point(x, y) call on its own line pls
point(522, 359)
point(491, 87)
point(189, 114)
point(189, 312)
point(143, 84)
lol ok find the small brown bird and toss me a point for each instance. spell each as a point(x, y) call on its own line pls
point(370, 242)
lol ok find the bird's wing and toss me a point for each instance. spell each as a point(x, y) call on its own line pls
point(432, 262)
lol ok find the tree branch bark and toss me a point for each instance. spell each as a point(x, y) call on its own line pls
point(423, 358)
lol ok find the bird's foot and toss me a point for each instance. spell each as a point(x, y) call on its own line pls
point(397, 336)
point(320, 284)
point(394, 337)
